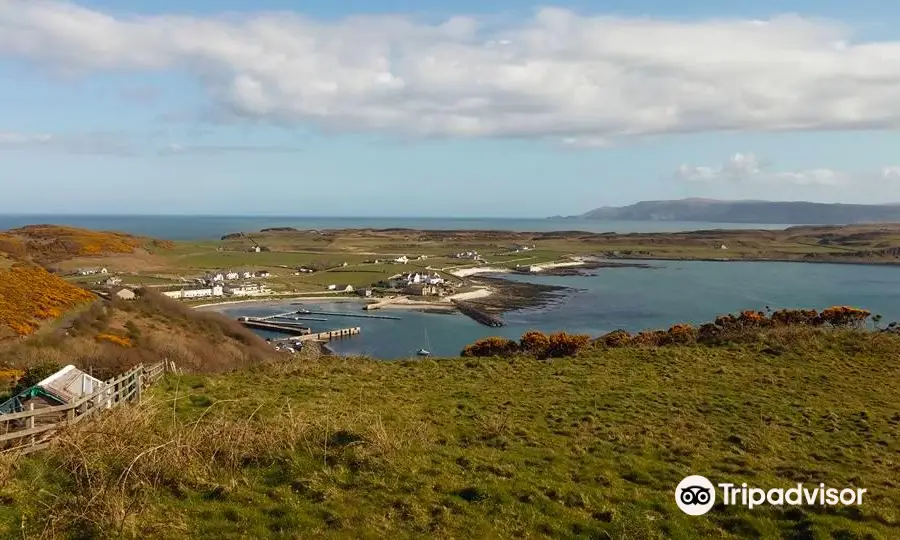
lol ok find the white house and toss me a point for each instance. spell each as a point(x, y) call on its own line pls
point(247, 275)
point(232, 275)
point(103, 271)
point(332, 287)
point(434, 279)
point(344, 288)
point(110, 282)
point(256, 249)
point(263, 274)
point(403, 259)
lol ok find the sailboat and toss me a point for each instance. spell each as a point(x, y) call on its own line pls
point(424, 351)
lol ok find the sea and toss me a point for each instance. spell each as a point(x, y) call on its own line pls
point(666, 293)
point(179, 227)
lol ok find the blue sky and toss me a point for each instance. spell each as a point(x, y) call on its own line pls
point(468, 108)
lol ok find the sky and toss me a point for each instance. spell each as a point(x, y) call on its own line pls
point(457, 109)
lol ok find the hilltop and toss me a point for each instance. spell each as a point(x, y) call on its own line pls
point(48, 244)
point(29, 293)
point(587, 446)
point(716, 211)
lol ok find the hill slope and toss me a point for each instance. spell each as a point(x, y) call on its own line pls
point(107, 338)
point(591, 446)
point(47, 244)
point(749, 212)
point(29, 295)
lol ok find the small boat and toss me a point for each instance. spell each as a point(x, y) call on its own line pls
point(424, 351)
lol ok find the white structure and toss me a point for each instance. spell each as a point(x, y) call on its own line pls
point(113, 281)
point(403, 259)
point(247, 289)
point(467, 255)
point(103, 271)
point(332, 287)
point(247, 275)
point(125, 294)
point(263, 274)
point(723, 247)
point(232, 275)
point(256, 249)
point(187, 294)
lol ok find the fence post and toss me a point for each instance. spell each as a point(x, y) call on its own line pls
point(140, 384)
point(70, 415)
point(29, 424)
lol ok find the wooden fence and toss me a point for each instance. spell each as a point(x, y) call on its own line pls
point(31, 430)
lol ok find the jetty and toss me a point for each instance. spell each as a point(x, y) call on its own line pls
point(323, 336)
point(267, 324)
point(478, 314)
point(318, 319)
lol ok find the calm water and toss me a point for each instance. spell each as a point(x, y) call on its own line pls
point(208, 227)
point(629, 298)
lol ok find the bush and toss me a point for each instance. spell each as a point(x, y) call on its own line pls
point(616, 338)
point(534, 343)
point(563, 344)
point(114, 339)
point(492, 346)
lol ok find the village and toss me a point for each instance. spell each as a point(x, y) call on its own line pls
point(221, 284)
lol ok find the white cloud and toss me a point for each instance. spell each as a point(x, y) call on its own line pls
point(557, 74)
point(748, 169)
point(891, 173)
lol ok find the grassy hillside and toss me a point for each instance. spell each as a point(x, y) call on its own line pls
point(109, 337)
point(29, 295)
point(591, 446)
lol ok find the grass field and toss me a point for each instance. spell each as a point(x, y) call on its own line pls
point(591, 446)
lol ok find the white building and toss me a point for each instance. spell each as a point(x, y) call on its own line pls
point(263, 274)
point(403, 259)
point(188, 294)
point(247, 289)
point(247, 275)
point(113, 281)
point(232, 275)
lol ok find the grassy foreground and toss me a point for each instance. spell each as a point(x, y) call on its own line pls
point(591, 446)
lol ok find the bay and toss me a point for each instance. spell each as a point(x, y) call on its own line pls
point(629, 298)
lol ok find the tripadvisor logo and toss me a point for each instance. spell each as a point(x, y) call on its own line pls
point(695, 495)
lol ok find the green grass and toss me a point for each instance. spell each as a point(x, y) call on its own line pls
point(481, 448)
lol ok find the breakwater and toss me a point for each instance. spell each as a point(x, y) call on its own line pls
point(477, 314)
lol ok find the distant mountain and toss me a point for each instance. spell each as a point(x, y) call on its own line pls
point(715, 211)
